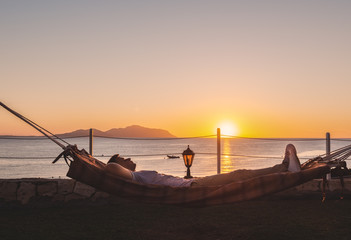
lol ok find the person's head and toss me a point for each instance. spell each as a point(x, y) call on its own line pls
point(124, 162)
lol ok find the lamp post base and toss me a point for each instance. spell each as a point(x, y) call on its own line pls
point(188, 174)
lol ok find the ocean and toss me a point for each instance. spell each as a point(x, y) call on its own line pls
point(27, 158)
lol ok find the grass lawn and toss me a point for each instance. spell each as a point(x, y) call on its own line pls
point(260, 219)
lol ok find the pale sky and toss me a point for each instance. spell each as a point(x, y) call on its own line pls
point(272, 68)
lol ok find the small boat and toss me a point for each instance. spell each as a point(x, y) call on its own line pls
point(172, 156)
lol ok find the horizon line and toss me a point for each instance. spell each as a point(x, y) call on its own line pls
point(24, 137)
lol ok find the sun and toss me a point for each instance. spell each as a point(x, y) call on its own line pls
point(228, 128)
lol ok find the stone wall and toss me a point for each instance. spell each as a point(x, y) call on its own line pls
point(26, 191)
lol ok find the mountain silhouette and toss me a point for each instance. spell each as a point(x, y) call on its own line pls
point(134, 131)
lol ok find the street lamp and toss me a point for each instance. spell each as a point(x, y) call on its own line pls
point(188, 156)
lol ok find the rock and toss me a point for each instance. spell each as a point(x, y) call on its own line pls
point(347, 185)
point(65, 186)
point(8, 191)
point(84, 190)
point(73, 196)
point(25, 192)
point(99, 195)
point(311, 186)
point(334, 186)
point(58, 198)
point(48, 189)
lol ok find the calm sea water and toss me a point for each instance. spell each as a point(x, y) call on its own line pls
point(32, 158)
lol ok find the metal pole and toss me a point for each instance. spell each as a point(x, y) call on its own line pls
point(218, 150)
point(91, 142)
point(327, 138)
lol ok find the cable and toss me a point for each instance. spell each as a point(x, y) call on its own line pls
point(121, 138)
point(165, 154)
point(155, 139)
point(276, 139)
point(26, 157)
point(36, 126)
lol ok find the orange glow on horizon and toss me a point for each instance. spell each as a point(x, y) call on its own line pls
point(228, 128)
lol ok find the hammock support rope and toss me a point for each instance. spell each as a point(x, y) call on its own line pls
point(42, 130)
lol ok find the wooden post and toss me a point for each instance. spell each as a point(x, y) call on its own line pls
point(327, 138)
point(91, 142)
point(218, 150)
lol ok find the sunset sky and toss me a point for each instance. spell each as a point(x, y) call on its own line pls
point(271, 68)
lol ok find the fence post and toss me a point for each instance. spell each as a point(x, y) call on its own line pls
point(218, 150)
point(327, 135)
point(91, 142)
point(327, 138)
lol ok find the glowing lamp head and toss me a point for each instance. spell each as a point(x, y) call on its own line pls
point(188, 156)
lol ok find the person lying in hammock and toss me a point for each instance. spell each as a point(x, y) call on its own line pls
point(125, 168)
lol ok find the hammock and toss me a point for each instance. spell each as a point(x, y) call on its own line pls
point(87, 169)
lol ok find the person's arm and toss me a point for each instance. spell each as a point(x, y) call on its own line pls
point(118, 170)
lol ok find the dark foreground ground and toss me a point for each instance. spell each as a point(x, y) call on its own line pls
point(260, 219)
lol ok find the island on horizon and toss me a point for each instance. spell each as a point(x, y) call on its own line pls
point(133, 131)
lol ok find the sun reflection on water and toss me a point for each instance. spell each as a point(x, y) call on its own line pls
point(227, 161)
